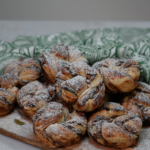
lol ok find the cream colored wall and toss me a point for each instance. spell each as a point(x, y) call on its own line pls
point(131, 10)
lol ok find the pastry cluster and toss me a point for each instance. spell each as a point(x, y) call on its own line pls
point(65, 97)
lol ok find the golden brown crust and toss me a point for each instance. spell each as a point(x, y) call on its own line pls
point(8, 93)
point(143, 87)
point(55, 126)
point(32, 97)
point(58, 57)
point(7, 101)
point(76, 82)
point(80, 85)
point(119, 75)
point(25, 70)
point(139, 102)
point(114, 126)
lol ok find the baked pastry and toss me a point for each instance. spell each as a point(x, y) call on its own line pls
point(113, 125)
point(55, 125)
point(138, 101)
point(119, 75)
point(143, 87)
point(80, 85)
point(25, 70)
point(76, 83)
point(8, 93)
point(32, 97)
point(57, 58)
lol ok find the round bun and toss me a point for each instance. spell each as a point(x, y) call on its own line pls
point(57, 58)
point(55, 125)
point(8, 93)
point(113, 125)
point(76, 83)
point(80, 85)
point(119, 75)
point(32, 97)
point(25, 70)
point(139, 102)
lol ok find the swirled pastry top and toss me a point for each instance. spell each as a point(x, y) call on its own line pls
point(80, 85)
point(55, 125)
point(143, 87)
point(113, 125)
point(57, 58)
point(138, 101)
point(26, 70)
point(32, 97)
point(8, 93)
point(119, 75)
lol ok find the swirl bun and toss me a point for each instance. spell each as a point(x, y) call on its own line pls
point(80, 85)
point(112, 125)
point(139, 102)
point(58, 57)
point(119, 75)
point(8, 93)
point(55, 126)
point(76, 82)
point(25, 70)
point(32, 97)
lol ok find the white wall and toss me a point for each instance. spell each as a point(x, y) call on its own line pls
point(131, 10)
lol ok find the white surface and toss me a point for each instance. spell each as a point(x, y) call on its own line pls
point(7, 143)
point(9, 30)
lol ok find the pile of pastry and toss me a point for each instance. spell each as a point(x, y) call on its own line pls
point(65, 97)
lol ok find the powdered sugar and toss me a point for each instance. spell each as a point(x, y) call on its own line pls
point(144, 87)
point(77, 83)
point(55, 118)
point(102, 125)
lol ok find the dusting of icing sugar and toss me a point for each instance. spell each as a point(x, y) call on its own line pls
point(9, 80)
point(111, 73)
point(60, 50)
point(54, 128)
point(79, 65)
point(128, 125)
point(56, 119)
point(143, 99)
point(79, 120)
point(77, 83)
point(144, 87)
point(74, 54)
point(69, 125)
point(51, 111)
point(118, 67)
point(32, 93)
